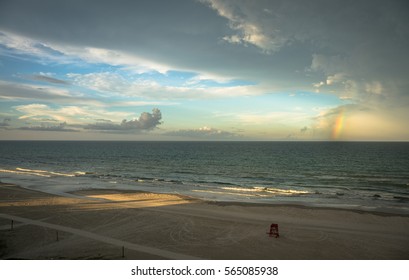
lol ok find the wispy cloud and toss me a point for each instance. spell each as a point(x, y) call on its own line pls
point(203, 133)
point(48, 79)
point(143, 103)
point(62, 127)
point(105, 82)
point(30, 92)
point(25, 48)
point(67, 114)
point(46, 53)
point(257, 118)
point(116, 84)
point(54, 52)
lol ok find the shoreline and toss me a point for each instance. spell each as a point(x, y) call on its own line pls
point(383, 210)
point(252, 204)
point(157, 226)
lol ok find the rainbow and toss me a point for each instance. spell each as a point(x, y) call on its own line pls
point(338, 126)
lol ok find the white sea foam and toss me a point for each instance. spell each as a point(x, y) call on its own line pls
point(45, 172)
point(228, 193)
point(17, 171)
point(57, 184)
point(275, 191)
point(36, 172)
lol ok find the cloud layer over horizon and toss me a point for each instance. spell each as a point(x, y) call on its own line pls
point(268, 69)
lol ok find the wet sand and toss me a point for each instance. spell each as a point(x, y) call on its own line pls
point(114, 224)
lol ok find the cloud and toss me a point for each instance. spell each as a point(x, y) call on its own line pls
point(19, 91)
point(117, 58)
point(374, 87)
point(249, 25)
point(37, 112)
point(171, 41)
point(5, 123)
point(82, 116)
point(357, 52)
point(318, 85)
point(145, 33)
point(259, 118)
point(106, 82)
point(17, 45)
point(143, 103)
point(176, 93)
point(44, 127)
point(10, 90)
point(25, 48)
point(329, 64)
point(116, 84)
point(47, 78)
point(203, 133)
point(358, 43)
point(360, 122)
point(336, 78)
point(75, 115)
point(146, 121)
point(346, 79)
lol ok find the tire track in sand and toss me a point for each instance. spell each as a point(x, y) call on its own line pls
point(104, 239)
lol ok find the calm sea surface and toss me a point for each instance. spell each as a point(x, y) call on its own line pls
point(359, 175)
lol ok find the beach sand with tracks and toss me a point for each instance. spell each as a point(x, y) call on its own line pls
point(115, 224)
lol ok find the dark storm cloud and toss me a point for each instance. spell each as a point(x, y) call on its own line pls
point(152, 29)
point(266, 41)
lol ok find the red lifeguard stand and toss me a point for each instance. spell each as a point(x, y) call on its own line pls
point(273, 231)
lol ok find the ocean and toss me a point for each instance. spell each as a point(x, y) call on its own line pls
point(372, 176)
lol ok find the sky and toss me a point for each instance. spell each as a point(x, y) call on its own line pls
point(263, 70)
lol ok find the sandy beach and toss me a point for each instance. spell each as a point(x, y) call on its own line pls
point(114, 224)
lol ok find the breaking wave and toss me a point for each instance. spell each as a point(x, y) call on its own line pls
point(275, 191)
